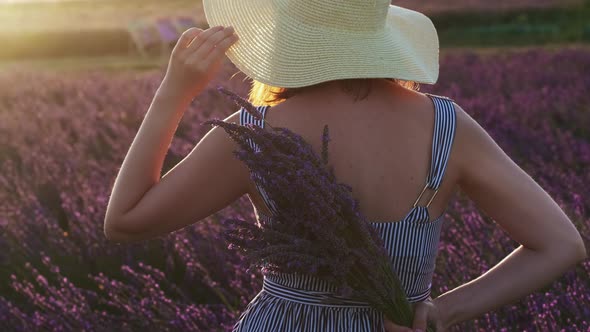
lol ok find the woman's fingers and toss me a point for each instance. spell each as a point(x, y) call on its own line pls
point(220, 49)
point(392, 327)
point(208, 42)
point(420, 317)
point(186, 37)
point(197, 38)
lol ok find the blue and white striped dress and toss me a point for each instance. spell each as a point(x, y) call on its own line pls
point(293, 302)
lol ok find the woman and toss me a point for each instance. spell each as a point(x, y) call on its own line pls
point(349, 64)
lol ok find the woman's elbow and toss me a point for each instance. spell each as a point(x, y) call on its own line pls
point(574, 248)
point(114, 236)
point(571, 249)
point(581, 250)
point(115, 233)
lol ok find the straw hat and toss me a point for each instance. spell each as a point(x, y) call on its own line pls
point(295, 43)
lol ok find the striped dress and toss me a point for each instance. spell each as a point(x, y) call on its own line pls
point(294, 302)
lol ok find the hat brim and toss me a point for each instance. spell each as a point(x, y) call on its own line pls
point(277, 50)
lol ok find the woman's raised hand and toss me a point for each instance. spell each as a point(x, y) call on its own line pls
point(196, 58)
point(424, 312)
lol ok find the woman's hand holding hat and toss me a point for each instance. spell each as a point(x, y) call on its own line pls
point(195, 60)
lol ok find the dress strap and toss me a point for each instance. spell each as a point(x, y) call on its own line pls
point(442, 141)
point(247, 118)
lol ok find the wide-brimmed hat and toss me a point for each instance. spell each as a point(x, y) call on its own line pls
point(295, 43)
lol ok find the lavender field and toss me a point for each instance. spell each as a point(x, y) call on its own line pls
point(64, 135)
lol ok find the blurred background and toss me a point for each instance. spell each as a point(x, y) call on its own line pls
point(77, 76)
point(133, 33)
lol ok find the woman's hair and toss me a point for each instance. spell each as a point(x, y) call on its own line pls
point(263, 94)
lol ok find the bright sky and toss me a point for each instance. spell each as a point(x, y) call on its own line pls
point(33, 1)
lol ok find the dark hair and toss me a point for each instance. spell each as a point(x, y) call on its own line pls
point(264, 94)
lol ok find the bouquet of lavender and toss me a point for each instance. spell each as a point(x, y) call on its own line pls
point(318, 229)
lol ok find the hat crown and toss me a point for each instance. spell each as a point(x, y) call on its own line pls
point(296, 43)
point(347, 15)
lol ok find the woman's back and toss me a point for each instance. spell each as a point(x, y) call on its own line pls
point(393, 149)
point(381, 146)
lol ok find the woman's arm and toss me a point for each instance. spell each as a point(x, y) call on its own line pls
point(550, 243)
point(143, 204)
